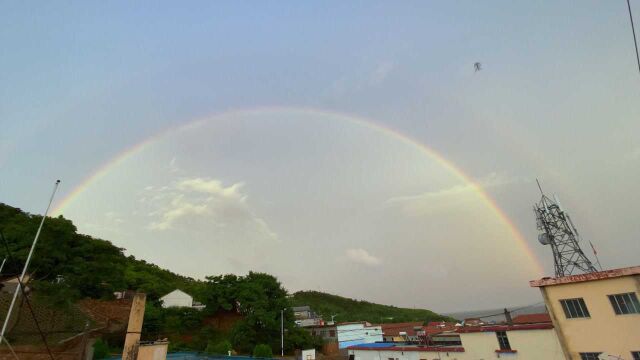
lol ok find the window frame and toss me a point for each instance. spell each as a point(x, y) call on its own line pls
point(575, 308)
point(635, 355)
point(628, 300)
point(503, 340)
point(590, 355)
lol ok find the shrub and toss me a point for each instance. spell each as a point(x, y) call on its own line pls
point(221, 348)
point(263, 351)
point(100, 349)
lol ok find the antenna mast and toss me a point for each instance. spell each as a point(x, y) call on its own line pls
point(557, 230)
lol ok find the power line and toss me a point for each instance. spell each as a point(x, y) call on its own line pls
point(633, 30)
point(27, 301)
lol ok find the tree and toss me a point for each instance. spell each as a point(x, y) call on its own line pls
point(100, 349)
point(262, 351)
point(259, 298)
point(221, 348)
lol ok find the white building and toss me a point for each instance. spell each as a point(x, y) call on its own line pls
point(349, 333)
point(179, 298)
point(522, 342)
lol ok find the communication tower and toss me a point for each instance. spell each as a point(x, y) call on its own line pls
point(558, 231)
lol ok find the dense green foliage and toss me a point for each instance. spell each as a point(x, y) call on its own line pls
point(89, 267)
point(347, 309)
point(68, 266)
point(262, 351)
point(220, 348)
point(100, 350)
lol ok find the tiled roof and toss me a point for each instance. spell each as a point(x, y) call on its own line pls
point(394, 329)
point(493, 328)
point(532, 318)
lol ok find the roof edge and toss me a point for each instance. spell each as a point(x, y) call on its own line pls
point(599, 275)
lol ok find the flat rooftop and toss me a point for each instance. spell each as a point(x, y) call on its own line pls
point(599, 275)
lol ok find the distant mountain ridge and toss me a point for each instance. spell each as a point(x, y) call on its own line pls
point(347, 309)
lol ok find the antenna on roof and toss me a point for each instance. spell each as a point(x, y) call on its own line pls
point(557, 230)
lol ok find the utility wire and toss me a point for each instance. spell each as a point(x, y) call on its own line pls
point(24, 295)
point(633, 30)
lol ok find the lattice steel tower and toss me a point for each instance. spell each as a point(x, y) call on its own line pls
point(557, 230)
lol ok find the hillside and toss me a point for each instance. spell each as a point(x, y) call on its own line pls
point(90, 267)
point(347, 309)
point(68, 267)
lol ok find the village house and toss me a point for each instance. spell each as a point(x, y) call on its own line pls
point(596, 315)
point(402, 332)
point(530, 341)
point(306, 317)
point(179, 298)
point(348, 333)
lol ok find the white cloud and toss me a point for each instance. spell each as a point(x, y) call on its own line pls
point(362, 256)
point(452, 198)
point(212, 186)
point(199, 204)
point(634, 154)
point(178, 209)
point(173, 167)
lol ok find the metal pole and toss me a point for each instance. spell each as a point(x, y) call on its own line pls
point(633, 30)
point(26, 264)
point(282, 332)
point(2, 266)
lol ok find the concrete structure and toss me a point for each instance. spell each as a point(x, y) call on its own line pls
point(523, 342)
point(526, 341)
point(595, 313)
point(348, 334)
point(306, 317)
point(302, 312)
point(156, 350)
point(136, 317)
point(309, 354)
point(179, 298)
point(10, 284)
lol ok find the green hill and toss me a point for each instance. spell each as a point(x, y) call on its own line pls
point(68, 266)
point(347, 309)
point(90, 267)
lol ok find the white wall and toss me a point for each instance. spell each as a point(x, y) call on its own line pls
point(177, 298)
point(530, 345)
point(354, 334)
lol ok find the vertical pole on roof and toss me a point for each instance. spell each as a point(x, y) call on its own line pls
point(26, 264)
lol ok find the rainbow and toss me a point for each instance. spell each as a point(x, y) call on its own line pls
point(367, 123)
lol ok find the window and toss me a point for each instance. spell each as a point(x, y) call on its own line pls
point(332, 333)
point(625, 303)
point(575, 308)
point(503, 341)
point(590, 356)
point(635, 355)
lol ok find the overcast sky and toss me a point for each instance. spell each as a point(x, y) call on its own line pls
point(253, 158)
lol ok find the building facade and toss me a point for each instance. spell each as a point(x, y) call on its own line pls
point(522, 342)
point(595, 314)
point(348, 334)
